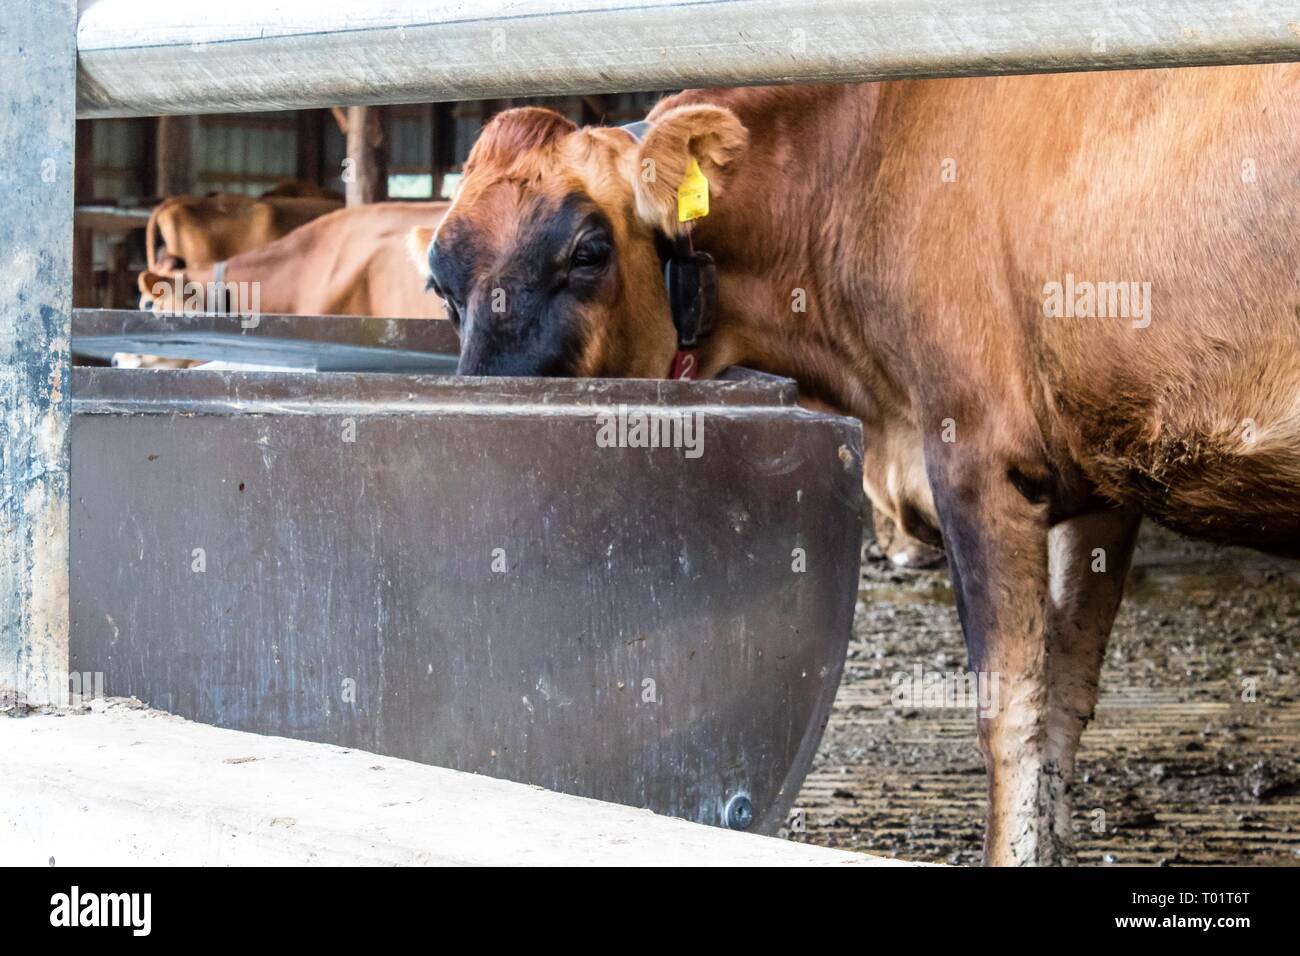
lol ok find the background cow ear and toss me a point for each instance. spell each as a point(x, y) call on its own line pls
point(711, 134)
point(148, 282)
point(417, 247)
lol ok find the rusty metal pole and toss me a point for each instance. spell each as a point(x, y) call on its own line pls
point(38, 60)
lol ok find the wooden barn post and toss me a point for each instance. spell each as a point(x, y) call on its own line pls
point(176, 155)
point(443, 150)
point(83, 240)
point(366, 176)
point(310, 145)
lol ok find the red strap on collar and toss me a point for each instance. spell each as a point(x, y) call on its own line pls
point(686, 365)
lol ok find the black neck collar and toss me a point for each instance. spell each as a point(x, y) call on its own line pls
point(691, 279)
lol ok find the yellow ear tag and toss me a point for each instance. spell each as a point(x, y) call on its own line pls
point(693, 194)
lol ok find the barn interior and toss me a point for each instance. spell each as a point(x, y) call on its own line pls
point(124, 167)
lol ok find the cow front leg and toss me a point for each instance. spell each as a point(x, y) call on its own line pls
point(995, 536)
point(1089, 558)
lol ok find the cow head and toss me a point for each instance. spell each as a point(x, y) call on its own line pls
point(158, 291)
point(549, 260)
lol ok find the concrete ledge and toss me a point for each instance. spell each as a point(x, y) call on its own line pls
point(125, 785)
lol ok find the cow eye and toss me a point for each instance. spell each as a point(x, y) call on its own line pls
point(453, 313)
point(591, 252)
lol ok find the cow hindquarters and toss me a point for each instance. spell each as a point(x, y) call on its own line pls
point(996, 541)
point(1088, 557)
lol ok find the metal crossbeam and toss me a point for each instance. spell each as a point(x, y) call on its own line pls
point(145, 57)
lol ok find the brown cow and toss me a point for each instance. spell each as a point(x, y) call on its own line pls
point(350, 262)
point(201, 230)
point(1056, 303)
point(300, 189)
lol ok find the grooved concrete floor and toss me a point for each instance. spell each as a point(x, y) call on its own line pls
point(1176, 768)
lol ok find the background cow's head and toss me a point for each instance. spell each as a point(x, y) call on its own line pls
point(158, 290)
point(549, 260)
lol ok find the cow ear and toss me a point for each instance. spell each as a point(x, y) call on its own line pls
point(418, 241)
point(149, 282)
point(711, 135)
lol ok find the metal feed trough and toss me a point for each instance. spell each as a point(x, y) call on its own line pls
point(463, 571)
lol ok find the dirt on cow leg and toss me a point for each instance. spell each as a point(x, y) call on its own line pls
point(1191, 757)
